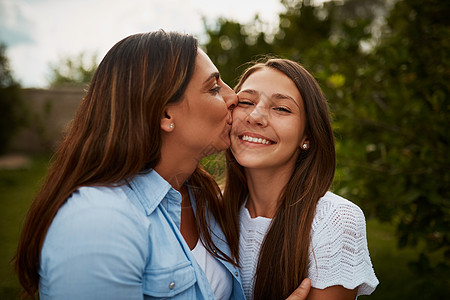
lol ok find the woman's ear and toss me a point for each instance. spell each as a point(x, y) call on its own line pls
point(167, 123)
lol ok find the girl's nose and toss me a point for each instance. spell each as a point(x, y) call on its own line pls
point(257, 117)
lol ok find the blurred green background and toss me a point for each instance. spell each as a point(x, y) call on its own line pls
point(384, 67)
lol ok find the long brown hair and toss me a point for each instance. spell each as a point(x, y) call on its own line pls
point(283, 260)
point(115, 135)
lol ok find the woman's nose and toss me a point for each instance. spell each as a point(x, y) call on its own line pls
point(229, 96)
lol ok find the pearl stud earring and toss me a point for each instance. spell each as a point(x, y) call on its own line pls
point(171, 125)
point(305, 146)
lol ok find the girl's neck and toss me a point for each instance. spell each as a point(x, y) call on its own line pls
point(265, 188)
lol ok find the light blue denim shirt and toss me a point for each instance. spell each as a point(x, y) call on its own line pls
point(124, 243)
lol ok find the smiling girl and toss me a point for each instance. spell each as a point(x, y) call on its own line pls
point(280, 169)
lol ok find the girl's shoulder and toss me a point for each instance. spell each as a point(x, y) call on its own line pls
point(330, 199)
point(339, 254)
point(338, 213)
point(332, 204)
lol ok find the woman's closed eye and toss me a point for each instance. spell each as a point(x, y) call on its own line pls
point(216, 89)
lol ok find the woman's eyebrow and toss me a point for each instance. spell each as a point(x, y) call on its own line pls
point(213, 75)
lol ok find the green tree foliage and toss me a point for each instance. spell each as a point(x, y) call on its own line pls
point(403, 113)
point(385, 69)
point(12, 113)
point(231, 45)
point(73, 71)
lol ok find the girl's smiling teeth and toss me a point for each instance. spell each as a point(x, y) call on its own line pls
point(255, 140)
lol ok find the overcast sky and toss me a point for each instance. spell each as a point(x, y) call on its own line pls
point(40, 32)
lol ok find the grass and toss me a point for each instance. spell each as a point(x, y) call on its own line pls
point(397, 281)
point(17, 189)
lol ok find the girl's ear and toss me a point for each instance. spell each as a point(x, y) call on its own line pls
point(304, 145)
point(167, 123)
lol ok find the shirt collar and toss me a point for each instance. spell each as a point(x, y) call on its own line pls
point(151, 189)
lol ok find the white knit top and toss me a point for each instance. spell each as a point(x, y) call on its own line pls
point(338, 253)
point(220, 280)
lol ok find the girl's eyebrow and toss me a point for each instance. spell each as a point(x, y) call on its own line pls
point(275, 96)
point(284, 96)
point(249, 91)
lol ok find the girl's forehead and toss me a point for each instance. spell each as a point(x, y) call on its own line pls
point(272, 84)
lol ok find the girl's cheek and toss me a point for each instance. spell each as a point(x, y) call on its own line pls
point(238, 112)
point(237, 118)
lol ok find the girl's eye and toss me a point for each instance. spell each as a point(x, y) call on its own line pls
point(215, 90)
point(282, 109)
point(245, 102)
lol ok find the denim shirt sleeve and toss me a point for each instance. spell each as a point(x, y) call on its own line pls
point(95, 248)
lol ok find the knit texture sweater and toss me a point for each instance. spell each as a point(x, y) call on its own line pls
point(338, 253)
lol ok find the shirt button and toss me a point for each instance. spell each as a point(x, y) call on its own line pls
point(172, 285)
point(236, 273)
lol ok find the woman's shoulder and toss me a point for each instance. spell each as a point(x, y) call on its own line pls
point(97, 205)
point(97, 196)
point(94, 216)
point(94, 230)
